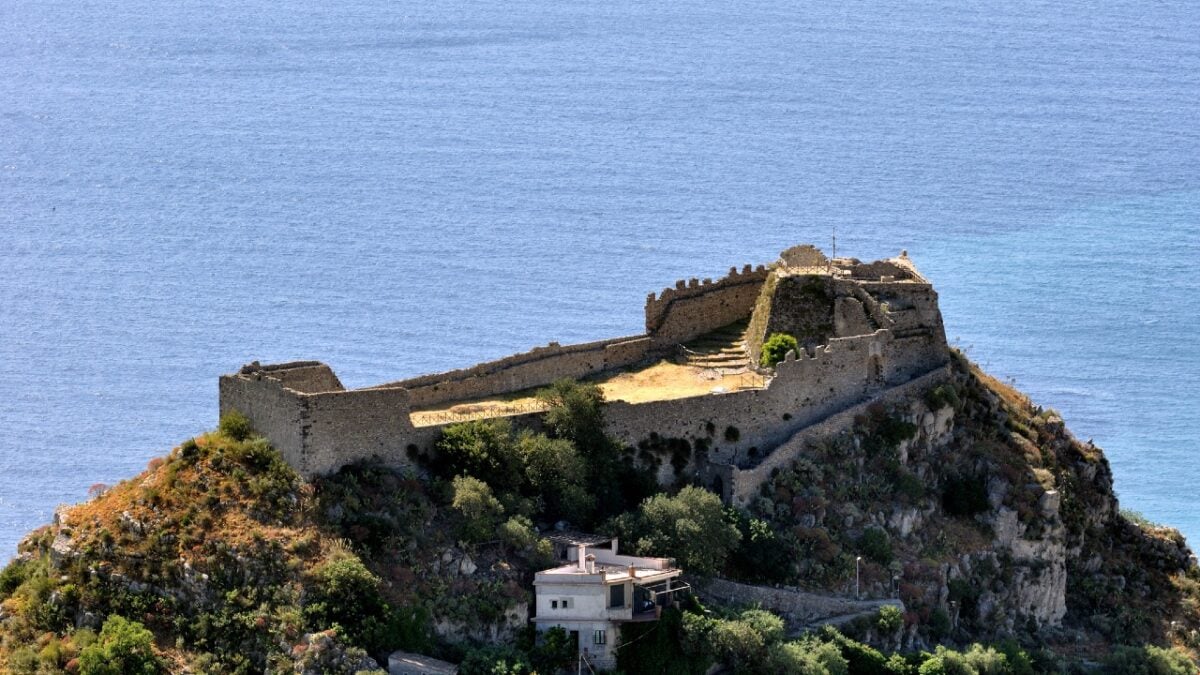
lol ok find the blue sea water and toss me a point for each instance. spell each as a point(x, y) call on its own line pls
point(401, 187)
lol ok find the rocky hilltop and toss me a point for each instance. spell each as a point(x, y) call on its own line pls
point(941, 520)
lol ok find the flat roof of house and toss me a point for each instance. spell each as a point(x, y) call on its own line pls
point(611, 572)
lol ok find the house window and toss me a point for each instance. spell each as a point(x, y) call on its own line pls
point(600, 637)
point(553, 604)
point(616, 596)
point(566, 603)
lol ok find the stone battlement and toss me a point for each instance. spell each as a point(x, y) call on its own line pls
point(864, 329)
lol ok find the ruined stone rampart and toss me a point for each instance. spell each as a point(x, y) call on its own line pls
point(320, 426)
point(302, 376)
point(534, 368)
point(695, 307)
point(275, 410)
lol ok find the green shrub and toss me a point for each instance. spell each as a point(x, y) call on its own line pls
point(556, 474)
point(576, 413)
point(690, 526)
point(889, 620)
point(483, 449)
point(862, 659)
point(807, 657)
point(518, 533)
point(346, 595)
point(876, 545)
point(1148, 660)
point(766, 624)
point(495, 660)
point(124, 647)
point(13, 576)
point(235, 425)
point(761, 554)
point(480, 509)
point(732, 434)
point(941, 396)
point(776, 347)
point(738, 645)
point(1139, 519)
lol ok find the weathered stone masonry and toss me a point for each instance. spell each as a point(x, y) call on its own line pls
point(885, 331)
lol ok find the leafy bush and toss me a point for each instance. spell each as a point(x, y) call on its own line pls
point(761, 554)
point(889, 620)
point(346, 595)
point(556, 474)
point(876, 545)
point(495, 660)
point(690, 527)
point(1148, 660)
point(483, 449)
point(965, 495)
point(807, 657)
point(766, 624)
point(479, 508)
point(939, 623)
point(1139, 519)
point(576, 413)
point(518, 533)
point(776, 347)
point(941, 396)
point(235, 425)
point(13, 576)
point(124, 647)
point(738, 644)
point(861, 658)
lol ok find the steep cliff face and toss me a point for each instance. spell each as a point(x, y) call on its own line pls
point(987, 518)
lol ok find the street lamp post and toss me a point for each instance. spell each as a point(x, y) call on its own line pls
point(857, 566)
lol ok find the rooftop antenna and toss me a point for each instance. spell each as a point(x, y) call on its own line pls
point(829, 263)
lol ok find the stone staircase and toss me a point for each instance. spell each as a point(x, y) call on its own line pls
point(724, 348)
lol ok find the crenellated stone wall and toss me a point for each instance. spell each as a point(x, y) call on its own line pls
point(320, 426)
point(696, 307)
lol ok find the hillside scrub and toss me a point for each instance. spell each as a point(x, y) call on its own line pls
point(235, 565)
point(776, 347)
point(231, 563)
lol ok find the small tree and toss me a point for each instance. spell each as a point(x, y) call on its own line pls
point(480, 509)
point(346, 595)
point(689, 527)
point(555, 472)
point(124, 647)
point(235, 425)
point(776, 348)
point(576, 413)
point(484, 449)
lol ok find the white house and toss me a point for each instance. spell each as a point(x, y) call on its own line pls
point(598, 591)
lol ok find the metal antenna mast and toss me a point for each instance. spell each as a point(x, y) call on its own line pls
point(829, 266)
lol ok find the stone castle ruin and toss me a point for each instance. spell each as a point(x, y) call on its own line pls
point(692, 382)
